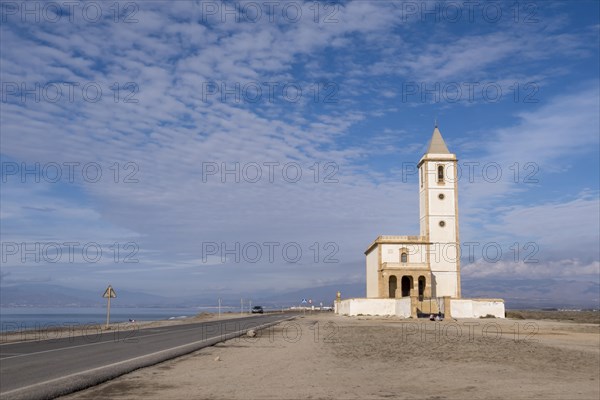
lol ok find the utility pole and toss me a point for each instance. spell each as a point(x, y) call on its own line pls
point(108, 294)
point(108, 313)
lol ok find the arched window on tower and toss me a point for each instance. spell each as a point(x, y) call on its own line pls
point(404, 257)
point(440, 173)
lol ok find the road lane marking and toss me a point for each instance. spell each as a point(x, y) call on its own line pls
point(105, 342)
point(142, 329)
point(258, 327)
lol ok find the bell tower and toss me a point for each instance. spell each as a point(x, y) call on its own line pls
point(438, 206)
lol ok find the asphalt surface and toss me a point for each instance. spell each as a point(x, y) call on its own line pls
point(46, 369)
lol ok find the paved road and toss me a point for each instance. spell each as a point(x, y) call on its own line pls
point(48, 368)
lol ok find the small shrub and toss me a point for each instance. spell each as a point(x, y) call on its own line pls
point(514, 315)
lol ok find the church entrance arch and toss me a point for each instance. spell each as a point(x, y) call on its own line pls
point(406, 285)
point(393, 284)
point(421, 287)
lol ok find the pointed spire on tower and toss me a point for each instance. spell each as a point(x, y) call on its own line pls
point(437, 144)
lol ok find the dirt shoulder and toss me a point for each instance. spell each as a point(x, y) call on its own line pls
point(332, 357)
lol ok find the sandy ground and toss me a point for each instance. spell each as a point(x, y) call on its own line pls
point(324, 356)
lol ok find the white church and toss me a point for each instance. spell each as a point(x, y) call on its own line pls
point(408, 276)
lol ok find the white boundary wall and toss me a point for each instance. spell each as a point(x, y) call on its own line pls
point(475, 308)
point(362, 306)
point(459, 308)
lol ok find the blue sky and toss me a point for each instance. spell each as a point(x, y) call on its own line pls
point(163, 92)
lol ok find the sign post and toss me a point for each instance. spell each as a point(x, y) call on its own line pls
point(108, 294)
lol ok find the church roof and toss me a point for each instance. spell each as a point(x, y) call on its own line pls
point(437, 144)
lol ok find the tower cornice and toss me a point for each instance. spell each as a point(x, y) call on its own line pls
point(437, 157)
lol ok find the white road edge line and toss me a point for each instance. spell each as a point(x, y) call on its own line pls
point(126, 361)
point(125, 330)
point(90, 344)
point(97, 343)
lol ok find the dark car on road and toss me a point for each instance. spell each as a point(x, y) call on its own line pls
point(257, 310)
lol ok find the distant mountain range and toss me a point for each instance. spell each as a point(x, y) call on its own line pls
point(48, 295)
point(534, 293)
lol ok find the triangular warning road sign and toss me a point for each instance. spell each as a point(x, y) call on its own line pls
point(109, 292)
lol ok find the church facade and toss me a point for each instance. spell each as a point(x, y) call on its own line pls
point(419, 275)
point(425, 265)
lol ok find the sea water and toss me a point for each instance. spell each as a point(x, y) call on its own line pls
point(22, 318)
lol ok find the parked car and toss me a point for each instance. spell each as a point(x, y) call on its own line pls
point(257, 310)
